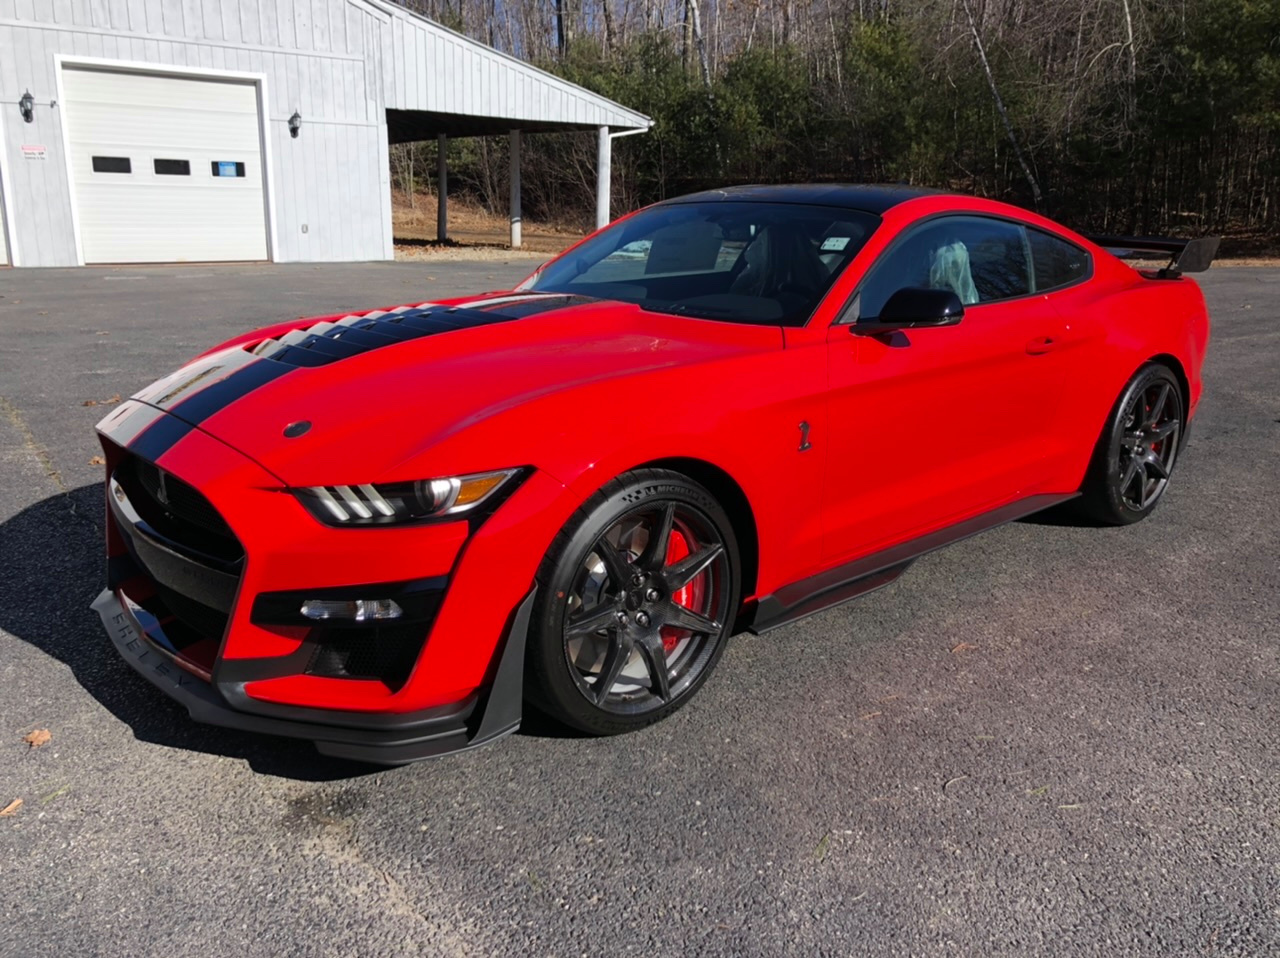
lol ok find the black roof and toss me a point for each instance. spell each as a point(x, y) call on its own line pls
point(870, 198)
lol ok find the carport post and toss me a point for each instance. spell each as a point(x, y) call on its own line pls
point(515, 189)
point(442, 191)
point(604, 145)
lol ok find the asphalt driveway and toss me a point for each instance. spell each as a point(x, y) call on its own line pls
point(1051, 739)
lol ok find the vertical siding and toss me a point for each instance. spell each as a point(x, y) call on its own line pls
point(329, 178)
point(340, 63)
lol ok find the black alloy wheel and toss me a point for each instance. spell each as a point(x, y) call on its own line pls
point(1136, 454)
point(636, 599)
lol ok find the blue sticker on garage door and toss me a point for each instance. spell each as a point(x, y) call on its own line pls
point(227, 168)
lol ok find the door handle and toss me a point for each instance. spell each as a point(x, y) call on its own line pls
point(1040, 345)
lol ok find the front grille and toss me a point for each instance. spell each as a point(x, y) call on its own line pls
point(386, 653)
point(196, 616)
point(176, 511)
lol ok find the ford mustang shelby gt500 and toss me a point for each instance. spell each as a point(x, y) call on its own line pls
point(387, 531)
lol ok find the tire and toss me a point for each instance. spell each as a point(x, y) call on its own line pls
point(618, 605)
point(1137, 450)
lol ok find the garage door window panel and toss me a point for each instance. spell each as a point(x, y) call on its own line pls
point(112, 164)
point(172, 167)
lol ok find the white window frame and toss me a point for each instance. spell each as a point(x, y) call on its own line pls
point(6, 200)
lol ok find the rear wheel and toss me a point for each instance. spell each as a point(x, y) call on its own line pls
point(636, 599)
point(1134, 460)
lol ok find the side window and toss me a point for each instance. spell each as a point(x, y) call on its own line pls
point(1057, 263)
point(981, 260)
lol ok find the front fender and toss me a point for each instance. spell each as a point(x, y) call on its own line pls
point(741, 416)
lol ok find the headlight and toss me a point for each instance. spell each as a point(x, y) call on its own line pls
point(386, 503)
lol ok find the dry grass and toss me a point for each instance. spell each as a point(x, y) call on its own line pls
point(471, 229)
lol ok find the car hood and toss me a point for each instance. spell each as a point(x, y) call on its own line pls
point(385, 401)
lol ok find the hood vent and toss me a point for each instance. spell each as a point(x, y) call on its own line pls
point(327, 342)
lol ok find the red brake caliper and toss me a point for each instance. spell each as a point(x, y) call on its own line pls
point(677, 549)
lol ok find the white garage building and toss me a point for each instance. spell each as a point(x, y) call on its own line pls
point(150, 131)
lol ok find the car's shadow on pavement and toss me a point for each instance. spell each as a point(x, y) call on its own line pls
point(54, 569)
point(1068, 514)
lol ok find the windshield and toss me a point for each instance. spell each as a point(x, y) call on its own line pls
point(762, 263)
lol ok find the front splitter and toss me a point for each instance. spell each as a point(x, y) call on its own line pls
point(396, 740)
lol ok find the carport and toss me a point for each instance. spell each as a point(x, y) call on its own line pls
point(415, 126)
point(455, 87)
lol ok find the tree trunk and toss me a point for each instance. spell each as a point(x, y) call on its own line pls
point(699, 41)
point(610, 38)
point(564, 26)
point(1004, 114)
point(686, 37)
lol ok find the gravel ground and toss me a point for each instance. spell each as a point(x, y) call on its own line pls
point(1050, 739)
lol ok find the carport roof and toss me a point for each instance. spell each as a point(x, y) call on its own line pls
point(435, 80)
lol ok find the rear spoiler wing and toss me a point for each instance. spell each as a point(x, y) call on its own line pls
point(1186, 256)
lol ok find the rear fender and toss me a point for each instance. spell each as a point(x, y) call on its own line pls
point(1149, 320)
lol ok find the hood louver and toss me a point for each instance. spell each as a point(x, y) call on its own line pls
point(328, 342)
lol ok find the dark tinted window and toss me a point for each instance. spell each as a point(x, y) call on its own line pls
point(1057, 262)
point(981, 260)
point(112, 164)
point(173, 167)
point(744, 262)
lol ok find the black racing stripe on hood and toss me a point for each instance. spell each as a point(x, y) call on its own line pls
point(199, 406)
point(158, 438)
point(320, 345)
point(327, 342)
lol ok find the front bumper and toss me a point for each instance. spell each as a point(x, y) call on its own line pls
point(384, 739)
point(208, 563)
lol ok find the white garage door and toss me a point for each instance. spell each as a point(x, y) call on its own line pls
point(167, 169)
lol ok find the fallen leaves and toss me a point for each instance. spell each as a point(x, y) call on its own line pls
point(962, 647)
point(97, 461)
point(39, 737)
point(11, 808)
point(102, 402)
point(824, 845)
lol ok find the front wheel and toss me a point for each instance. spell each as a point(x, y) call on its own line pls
point(636, 599)
point(1134, 459)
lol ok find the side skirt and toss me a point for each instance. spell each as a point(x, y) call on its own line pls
point(826, 589)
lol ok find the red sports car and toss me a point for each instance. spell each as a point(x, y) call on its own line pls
point(388, 531)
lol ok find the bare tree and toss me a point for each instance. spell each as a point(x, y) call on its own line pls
point(1000, 107)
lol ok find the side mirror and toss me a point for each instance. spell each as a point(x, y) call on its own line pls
point(913, 308)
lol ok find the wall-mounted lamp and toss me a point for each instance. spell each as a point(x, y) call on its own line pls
point(28, 106)
point(295, 124)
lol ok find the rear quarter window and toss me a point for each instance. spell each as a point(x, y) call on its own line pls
point(1056, 262)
